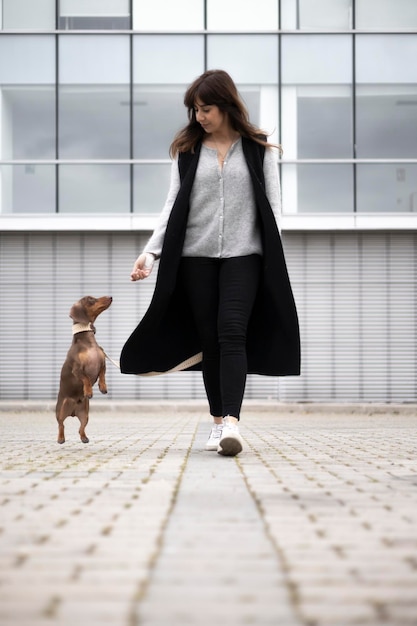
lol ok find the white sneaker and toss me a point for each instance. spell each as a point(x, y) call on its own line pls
point(231, 443)
point(213, 441)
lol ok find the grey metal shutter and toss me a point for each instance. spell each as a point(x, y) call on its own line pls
point(356, 297)
point(355, 293)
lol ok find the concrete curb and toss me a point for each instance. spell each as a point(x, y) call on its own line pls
point(265, 406)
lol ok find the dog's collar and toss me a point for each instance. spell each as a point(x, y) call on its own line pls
point(81, 328)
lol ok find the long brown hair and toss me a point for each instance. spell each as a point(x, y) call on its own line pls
point(214, 87)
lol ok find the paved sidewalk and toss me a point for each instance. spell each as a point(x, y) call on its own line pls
point(314, 524)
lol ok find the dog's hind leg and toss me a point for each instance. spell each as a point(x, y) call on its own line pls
point(63, 409)
point(82, 414)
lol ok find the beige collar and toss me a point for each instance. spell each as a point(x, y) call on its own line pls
point(81, 328)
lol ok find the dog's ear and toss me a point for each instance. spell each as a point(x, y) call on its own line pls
point(78, 314)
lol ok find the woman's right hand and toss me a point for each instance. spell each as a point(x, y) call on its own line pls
point(142, 266)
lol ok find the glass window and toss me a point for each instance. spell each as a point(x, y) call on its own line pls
point(316, 96)
point(324, 127)
point(161, 15)
point(94, 14)
point(28, 122)
point(386, 59)
point(243, 56)
point(27, 59)
point(386, 122)
point(94, 59)
point(377, 14)
point(167, 59)
point(27, 188)
point(317, 188)
point(237, 15)
point(317, 122)
point(159, 113)
point(386, 187)
point(27, 97)
point(262, 104)
point(151, 184)
point(315, 59)
point(386, 96)
point(94, 97)
point(94, 188)
point(94, 122)
point(28, 15)
point(320, 14)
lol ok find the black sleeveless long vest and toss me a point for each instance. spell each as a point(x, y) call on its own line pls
point(166, 335)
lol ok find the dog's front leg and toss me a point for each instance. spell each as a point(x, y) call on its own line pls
point(80, 374)
point(82, 414)
point(87, 386)
point(102, 379)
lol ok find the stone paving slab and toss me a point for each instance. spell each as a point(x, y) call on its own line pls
point(314, 524)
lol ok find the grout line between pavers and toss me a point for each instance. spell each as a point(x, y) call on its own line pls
point(133, 616)
point(291, 586)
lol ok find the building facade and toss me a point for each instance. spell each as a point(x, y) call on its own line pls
point(90, 97)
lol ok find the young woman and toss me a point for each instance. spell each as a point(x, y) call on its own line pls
point(223, 301)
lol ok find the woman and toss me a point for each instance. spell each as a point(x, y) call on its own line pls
point(223, 301)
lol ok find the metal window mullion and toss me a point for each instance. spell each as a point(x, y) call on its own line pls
point(205, 35)
point(131, 121)
point(279, 89)
point(57, 11)
point(284, 161)
point(354, 137)
point(127, 31)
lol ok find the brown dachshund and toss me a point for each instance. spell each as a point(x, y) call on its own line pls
point(85, 363)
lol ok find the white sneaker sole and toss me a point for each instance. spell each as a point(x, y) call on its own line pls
point(229, 446)
point(211, 447)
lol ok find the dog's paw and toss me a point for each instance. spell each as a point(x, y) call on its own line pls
point(61, 440)
point(85, 439)
point(103, 390)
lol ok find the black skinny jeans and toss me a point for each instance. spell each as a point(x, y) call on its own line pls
point(221, 294)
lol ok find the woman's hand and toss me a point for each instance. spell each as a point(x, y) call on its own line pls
point(142, 266)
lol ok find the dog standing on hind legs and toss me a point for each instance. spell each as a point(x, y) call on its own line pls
point(84, 364)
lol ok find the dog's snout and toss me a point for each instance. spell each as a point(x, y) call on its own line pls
point(106, 301)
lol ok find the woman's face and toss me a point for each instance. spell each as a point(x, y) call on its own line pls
point(210, 117)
